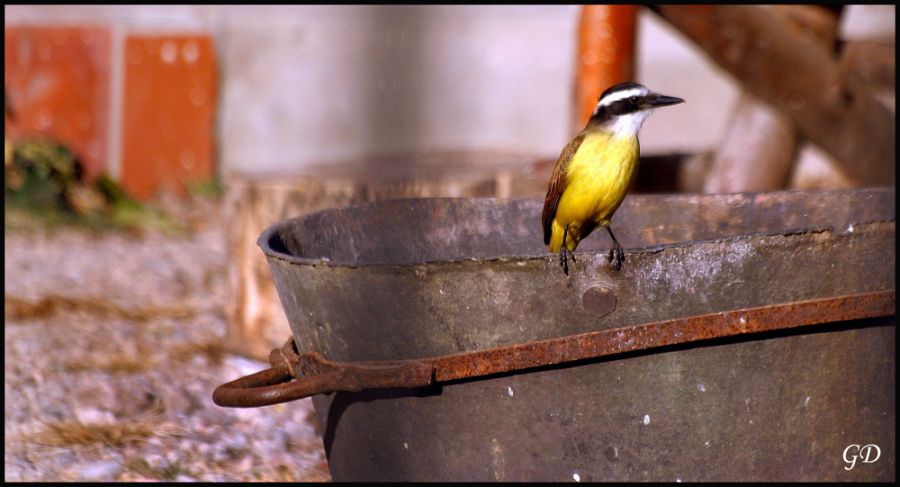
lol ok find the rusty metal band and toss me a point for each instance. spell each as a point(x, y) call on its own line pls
point(294, 376)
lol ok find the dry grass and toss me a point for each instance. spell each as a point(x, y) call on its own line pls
point(133, 374)
point(121, 363)
point(142, 467)
point(130, 363)
point(16, 308)
point(70, 433)
point(284, 473)
point(214, 350)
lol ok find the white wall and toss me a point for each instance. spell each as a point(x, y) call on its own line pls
point(669, 63)
point(311, 84)
point(334, 83)
point(337, 83)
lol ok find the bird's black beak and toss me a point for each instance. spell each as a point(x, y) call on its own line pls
point(664, 101)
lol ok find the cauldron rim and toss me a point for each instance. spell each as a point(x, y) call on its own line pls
point(272, 246)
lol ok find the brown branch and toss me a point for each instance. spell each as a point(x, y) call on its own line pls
point(799, 77)
point(757, 151)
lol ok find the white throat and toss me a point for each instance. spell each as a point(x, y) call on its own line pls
point(627, 125)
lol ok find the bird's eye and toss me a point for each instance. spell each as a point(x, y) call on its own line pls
point(633, 100)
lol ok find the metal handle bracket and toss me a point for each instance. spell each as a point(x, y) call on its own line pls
point(294, 376)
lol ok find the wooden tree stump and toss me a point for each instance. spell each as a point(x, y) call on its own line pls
point(256, 321)
point(757, 151)
point(760, 147)
point(869, 62)
point(796, 75)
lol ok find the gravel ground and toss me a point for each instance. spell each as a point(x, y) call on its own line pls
point(113, 349)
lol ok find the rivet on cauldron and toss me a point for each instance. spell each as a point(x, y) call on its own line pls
point(599, 300)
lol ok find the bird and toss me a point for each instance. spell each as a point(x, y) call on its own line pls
point(594, 170)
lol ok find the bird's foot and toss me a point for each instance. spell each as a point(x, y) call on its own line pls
point(564, 255)
point(616, 257)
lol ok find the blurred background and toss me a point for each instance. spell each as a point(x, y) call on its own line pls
point(147, 147)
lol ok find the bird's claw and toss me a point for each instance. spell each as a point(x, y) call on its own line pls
point(564, 255)
point(616, 257)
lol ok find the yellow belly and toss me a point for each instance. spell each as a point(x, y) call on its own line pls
point(598, 176)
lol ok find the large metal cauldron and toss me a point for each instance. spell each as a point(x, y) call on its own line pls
point(410, 279)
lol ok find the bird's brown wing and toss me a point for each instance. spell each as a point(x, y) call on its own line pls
point(557, 185)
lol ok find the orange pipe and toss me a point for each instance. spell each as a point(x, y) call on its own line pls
point(606, 36)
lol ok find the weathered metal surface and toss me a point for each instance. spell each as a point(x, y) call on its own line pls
point(314, 374)
point(410, 279)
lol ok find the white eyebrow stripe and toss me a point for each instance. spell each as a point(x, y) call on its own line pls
point(621, 95)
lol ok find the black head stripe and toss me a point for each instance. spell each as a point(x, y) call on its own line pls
point(620, 99)
point(627, 105)
point(630, 104)
point(621, 87)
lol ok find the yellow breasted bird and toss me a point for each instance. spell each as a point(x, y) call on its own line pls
point(596, 168)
